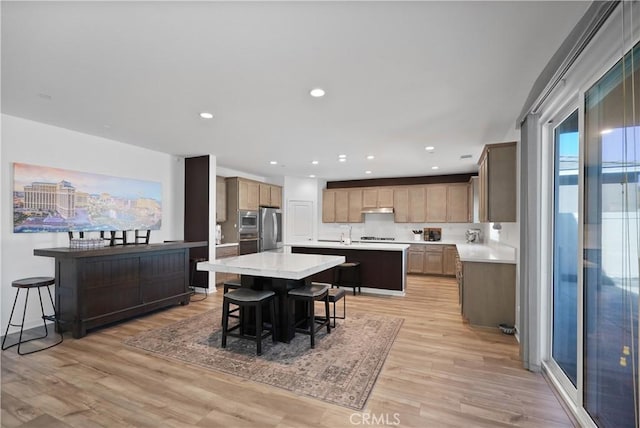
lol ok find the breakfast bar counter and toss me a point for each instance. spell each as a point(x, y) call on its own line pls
point(98, 286)
point(382, 265)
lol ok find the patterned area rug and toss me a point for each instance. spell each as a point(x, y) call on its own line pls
point(342, 369)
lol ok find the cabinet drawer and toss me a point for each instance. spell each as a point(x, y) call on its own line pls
point(416, 248)
point(433, 248)
point(222, 252)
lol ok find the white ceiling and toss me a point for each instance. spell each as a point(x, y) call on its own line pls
point(399, 76)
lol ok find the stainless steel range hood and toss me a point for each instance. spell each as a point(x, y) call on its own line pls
point(377, 211)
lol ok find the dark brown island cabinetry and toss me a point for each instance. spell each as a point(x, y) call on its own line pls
point(101, 286)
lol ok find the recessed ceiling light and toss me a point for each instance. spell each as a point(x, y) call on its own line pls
point(342, 156)
point(317, 92)
point(314, 162)
point(429, 148)
point(606, 131)
point(435, 167)
point(206, 115)
point(312, 176)
point(371, 157)
point(367, 172)
point(342, 159)
point(274, 162)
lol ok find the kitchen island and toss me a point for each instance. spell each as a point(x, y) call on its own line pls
point(382, 265)
point(275, 271)
point(99, 286)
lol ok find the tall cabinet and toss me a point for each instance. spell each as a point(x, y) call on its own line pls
point(497, 183)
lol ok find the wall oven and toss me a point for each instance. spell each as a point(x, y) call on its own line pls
point(248, 222)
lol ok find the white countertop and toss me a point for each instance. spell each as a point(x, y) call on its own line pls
point(364, 245)
point(486, 253)
point(274, 265)
point(230, 244)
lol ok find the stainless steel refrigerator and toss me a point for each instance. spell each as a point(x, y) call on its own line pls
point(270, 229)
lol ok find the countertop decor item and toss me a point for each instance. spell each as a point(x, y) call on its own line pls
point(417, 235)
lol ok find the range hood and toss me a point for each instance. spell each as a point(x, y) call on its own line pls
point(377, 211)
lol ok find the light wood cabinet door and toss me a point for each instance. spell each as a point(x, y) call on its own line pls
point(341, 206)
point(385, 197)
point(417, 196)
point(328, 206)
point(433, 262)
point(370, 198)
point(355, 206)
point(497, 179)
point(436, 205)
point(415, 261)
point(221, 200)
point(449, 260)
point(401, 205)
point(458, 203)
point(221, 253)
point(248, 195)
point(276, 196)
point(265, 195)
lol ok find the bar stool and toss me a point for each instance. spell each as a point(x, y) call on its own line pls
point(247, 297)
point(309, 294)
point(232, 285)
point(348, 275)
point(336, 294)
point(28, 284)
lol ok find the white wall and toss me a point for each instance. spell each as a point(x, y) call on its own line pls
point(39, 144)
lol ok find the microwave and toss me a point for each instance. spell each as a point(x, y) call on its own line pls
point(248, 222)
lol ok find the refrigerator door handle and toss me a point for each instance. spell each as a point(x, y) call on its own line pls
point(275, 229)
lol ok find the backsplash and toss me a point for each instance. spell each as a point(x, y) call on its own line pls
point(382, 225)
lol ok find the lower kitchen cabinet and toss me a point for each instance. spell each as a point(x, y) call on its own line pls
point(449, 260)
point(431, 259)
point(488, 293)
point(221, 253)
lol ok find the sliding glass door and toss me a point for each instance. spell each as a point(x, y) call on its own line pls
point(610, 235)
point(565, 246)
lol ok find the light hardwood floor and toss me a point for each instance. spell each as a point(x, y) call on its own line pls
point(440, 373)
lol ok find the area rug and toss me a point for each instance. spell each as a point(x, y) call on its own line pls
point(342, 369)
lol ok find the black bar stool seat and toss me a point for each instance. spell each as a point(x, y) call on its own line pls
point(37, 282)
point(348, 275)
point(247, 297)
point(309, 294)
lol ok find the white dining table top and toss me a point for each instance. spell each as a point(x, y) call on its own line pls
point(273, 264)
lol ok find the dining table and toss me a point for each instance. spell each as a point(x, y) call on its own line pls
point(279, 272)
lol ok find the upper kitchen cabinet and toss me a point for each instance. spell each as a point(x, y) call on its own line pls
point(270, 195)
point(417, 201)
point(458, 203)
point(342, 206)
point(497, 183)
point(377, 197)
point(328, 206)
point(221, 200)
point(401, 204)
point(248, 194)
point(436, 206)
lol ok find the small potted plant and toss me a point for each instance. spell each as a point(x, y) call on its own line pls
point(417, 235)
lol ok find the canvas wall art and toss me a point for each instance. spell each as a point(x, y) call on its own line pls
point(59, 200)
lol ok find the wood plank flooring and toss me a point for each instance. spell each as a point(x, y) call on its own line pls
point(440, 373)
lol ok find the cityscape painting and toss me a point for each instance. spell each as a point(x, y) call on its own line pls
point(58, 200)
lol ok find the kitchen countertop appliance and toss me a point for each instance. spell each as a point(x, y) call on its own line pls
point(473, 236)
point(270, 229)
